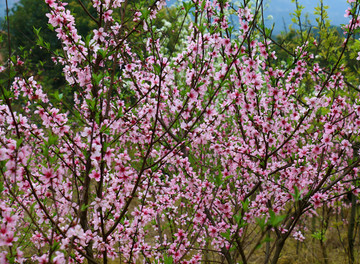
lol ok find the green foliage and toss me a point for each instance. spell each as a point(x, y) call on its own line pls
point(33, 38)
point(296, 194)
point(275, 220)
point(261, 222)
point(319, 235)
point(25, 17)
point(167, 27)
point(325, 43)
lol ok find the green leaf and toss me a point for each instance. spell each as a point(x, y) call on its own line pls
point(47, 45)
point(32, 207)
point(145, 13)
point(238, 218)
point(84, 207)
point(39, 40)
point(19, 142)
point(261, 222)
point(157, 68)
point(6, 93)
point(319, 235)
point(267, 239)
point(105, 129)
point(296, 194)
point(226, 235)
point(55, 246)
point(120, 113)
point(11, 259)
point(37, 31)
point(102, 53)
point(203, 5)
point(275, 220)
point(46, 151)
point(97, 78)
point(13, 59)
point(52, 140)
point(12, 74)
point(91, 104)
point(168, 259)
point(105, 145)
point(87, 40)
point(187, 6)
point(245, 204)
point(218, 179)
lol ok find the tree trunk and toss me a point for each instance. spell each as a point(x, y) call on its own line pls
point(351, 229)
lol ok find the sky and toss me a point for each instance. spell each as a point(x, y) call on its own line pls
point(278, 9)
point(3, 6)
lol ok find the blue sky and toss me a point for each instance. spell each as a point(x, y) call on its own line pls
point(3, 6)
point(279, 9)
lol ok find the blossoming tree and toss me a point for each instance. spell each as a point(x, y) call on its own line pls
point(200, 154)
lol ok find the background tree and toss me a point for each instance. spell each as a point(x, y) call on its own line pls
point(28, 16)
